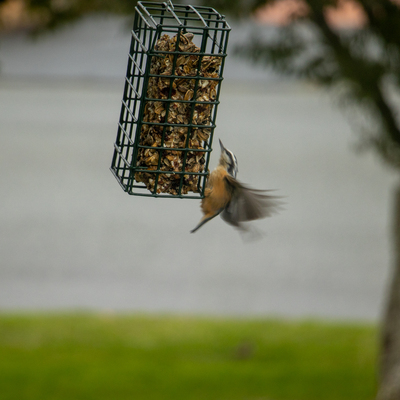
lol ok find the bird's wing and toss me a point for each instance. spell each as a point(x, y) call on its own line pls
point(247, 204)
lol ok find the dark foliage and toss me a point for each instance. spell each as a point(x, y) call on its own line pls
point(362, 61)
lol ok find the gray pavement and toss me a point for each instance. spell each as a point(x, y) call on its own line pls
point(71, 238)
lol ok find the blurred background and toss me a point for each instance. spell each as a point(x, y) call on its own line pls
point(71, 238)
point(109, 291)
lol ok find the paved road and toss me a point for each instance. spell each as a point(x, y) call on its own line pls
point(70, 237)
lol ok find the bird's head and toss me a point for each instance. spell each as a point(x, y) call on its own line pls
point(228, 160)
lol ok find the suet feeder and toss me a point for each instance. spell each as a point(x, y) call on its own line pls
point(170, 100)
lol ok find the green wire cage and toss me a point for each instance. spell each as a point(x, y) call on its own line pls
point(171, 94)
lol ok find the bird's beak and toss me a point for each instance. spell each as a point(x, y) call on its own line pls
point(222, 146)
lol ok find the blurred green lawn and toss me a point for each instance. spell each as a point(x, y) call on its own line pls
point(113, 357)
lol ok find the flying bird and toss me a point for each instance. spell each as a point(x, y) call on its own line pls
point(236, 203)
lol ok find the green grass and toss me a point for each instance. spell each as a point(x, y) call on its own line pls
point(115, 357)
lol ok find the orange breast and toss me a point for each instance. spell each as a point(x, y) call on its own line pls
point(216, 195)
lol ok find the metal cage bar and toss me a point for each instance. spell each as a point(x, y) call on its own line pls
point(170, 100)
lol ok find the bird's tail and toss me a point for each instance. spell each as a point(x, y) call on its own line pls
point(205, 219)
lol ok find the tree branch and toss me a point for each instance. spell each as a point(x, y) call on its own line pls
point(373, 91)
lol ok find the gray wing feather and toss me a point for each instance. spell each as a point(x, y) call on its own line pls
point(248, 204)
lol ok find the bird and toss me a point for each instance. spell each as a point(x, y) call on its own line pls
point(236, 202)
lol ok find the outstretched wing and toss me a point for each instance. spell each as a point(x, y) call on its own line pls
point(247, 204)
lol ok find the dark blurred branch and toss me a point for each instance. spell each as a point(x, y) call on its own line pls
point(367, 76)
point(52, 14)
point(383, 19)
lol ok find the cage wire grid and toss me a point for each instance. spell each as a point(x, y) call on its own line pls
point(152, 20)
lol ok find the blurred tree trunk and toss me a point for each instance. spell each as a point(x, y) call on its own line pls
point(389, 388)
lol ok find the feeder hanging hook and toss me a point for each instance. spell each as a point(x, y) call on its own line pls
point(170, 4)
